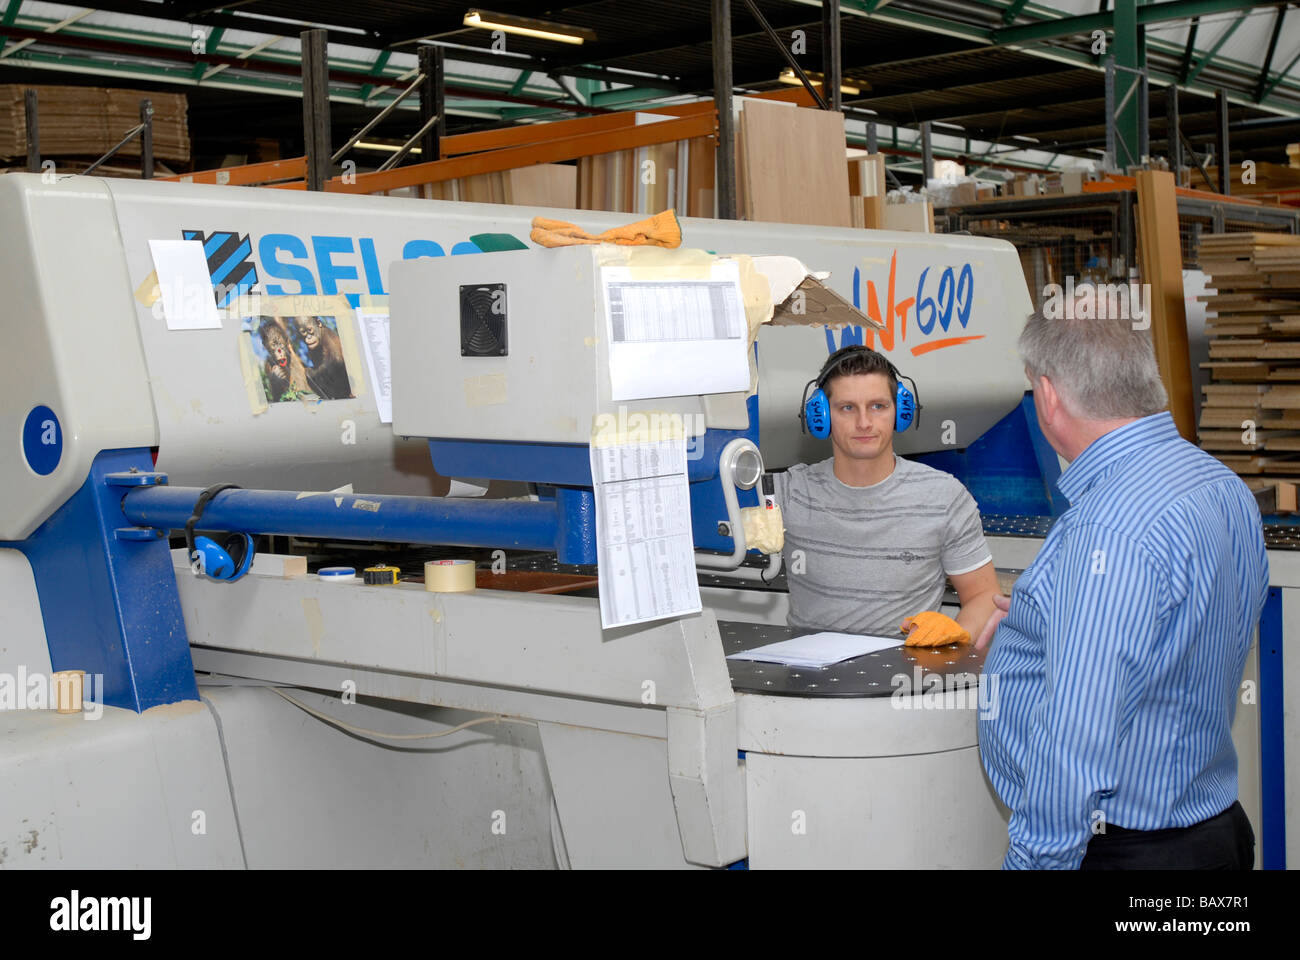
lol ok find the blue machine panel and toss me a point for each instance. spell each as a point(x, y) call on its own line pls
point(108, 593)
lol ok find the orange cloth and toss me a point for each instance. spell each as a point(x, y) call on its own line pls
point(661, 230)
point(933, 630)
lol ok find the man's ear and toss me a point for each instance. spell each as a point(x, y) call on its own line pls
point(1047, 399)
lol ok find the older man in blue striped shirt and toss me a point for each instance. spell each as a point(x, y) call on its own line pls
point(1120, 657)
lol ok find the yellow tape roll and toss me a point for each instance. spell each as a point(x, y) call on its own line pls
point(449, 576)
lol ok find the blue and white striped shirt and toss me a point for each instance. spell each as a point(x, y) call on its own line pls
point(1119, 663)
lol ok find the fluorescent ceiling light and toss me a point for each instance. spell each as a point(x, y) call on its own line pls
point(789, 76)
point(950, 126)
point(1024, 139)
point(526, 27)
point(386, 147)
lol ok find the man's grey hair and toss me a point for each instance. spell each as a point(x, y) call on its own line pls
point(1102, 368)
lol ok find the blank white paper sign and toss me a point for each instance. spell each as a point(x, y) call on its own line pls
point(185, 285)
point(818, 649)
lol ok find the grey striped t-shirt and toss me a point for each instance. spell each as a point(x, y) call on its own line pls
point(861, 559)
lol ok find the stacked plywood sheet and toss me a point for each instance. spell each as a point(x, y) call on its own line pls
point(677, 175)
point(87, 122)
point(791, 165)
point(1250, 418)
point(541, 185)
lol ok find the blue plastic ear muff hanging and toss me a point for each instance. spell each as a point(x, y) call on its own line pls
point(815, 413)
point(226, 561)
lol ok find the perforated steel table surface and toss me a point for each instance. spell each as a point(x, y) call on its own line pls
point(953, 667)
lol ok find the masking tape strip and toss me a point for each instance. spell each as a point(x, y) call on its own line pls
point(486, 390)
point(449, 576)
point(642, 426)
point(252, 377)
point(657, 263)
point(148, 293)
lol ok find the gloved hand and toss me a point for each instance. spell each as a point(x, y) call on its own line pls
point(931, 629)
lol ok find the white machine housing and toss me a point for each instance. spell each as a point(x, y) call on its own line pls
point(82, 342)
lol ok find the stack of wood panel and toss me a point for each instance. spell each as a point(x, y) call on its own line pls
point(663, 176)
point(791, 165)
point(84, 123)
point(1250, 418)
point(540, 185)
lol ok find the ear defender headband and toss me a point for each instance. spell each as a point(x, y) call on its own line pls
point(815, 412)
point(224, 562)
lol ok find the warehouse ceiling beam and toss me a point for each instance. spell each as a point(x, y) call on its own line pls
point(1026, 101)
point(213, 38)
point(1063, 27)
point(1280, 77)
point(377, 68)
point(241, 57)
point(1268, 57)
point(742, 27)
point(278, 67)
point(8, 18)
point(53, 28)
point(517, 87)
point(1013, 11)
point(1218, 45)
point(1190, 50)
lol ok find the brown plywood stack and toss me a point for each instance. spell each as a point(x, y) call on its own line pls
point(84, 123)
point(1253, 322)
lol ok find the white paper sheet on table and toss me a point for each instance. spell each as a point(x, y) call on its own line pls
point(185, 285)
point(374, 342)
point(646, 551)
point(676, 336)
point(818, 650)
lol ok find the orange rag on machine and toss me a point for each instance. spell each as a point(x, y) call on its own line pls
point(933, 630)
point(661, 230)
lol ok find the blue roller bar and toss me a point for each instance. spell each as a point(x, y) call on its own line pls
point(522, 525)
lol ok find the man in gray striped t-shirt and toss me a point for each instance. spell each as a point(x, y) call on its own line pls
point(869, 535)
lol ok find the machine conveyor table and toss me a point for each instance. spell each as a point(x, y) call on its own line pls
point(956, 665)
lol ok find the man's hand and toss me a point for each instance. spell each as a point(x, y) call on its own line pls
point(1003, 604)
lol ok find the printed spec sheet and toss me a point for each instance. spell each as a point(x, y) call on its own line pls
point(643, 527)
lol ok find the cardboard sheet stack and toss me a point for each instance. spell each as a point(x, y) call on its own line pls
point(1253, 321)
point(83, 123)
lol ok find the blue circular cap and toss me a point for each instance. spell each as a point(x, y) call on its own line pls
point(328, 572)
point(42, 440)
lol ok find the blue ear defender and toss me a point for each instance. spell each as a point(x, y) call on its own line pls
point(226, 561)
point(815, 416)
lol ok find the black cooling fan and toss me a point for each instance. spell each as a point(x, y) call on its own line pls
point(483, 320)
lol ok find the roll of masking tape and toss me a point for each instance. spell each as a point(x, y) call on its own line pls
point(449, 576)
point(69, 686)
